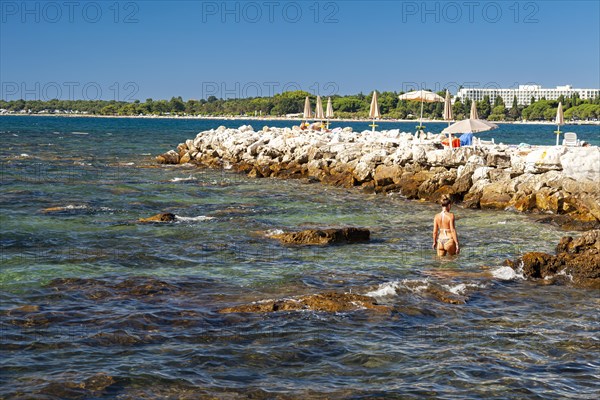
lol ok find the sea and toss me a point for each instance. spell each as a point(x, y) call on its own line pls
point(94, 304)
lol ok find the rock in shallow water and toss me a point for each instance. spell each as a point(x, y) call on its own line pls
point(162, 217)
point(170, 157)
point(325, 236)
point(329, 302)
point(577, 258)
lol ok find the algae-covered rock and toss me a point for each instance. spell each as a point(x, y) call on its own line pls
point(324, 236)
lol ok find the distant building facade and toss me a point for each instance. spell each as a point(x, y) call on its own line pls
point(525, 92)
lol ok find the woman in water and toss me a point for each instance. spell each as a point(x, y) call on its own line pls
point(444, 232)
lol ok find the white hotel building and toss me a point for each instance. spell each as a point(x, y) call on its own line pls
point(525, 92)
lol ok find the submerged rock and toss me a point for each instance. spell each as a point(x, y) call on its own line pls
point(94, 386)
point(170, 157)
point(162, 217)
point(328, 302)
point(324, 236)
point(97, 289)
point(577, 261)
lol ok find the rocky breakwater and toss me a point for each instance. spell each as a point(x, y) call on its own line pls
point(559, 182)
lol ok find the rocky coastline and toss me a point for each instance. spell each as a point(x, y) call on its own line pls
point(558, 183)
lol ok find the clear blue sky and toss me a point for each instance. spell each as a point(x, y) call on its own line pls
point(140, 49)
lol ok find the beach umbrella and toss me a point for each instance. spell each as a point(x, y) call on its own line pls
point(560, 120)
point(307, 112)
point(470, 126)
point(329, 112)
point(374, 110)
point(319, 114)
point(448, 114)
point(423, 96)
point(474, 114)
point(448, 108)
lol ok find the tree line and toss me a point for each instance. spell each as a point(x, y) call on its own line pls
point(350, 106)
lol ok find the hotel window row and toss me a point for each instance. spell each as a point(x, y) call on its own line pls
point(525, 92)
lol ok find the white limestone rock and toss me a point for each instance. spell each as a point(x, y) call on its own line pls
point(581, 163)
point(362, 171)
point(543, 160)
point(480, 173)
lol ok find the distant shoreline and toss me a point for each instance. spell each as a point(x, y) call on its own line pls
point(270, 118)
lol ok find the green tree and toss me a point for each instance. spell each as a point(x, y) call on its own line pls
point(286, 105)
point(498, 113)
point(388, 101)
point(458, 109)
point(176, 105)
point(537, 110)
point(484, 107)
point(514, 113)
point(349, 104)
point(109, 109)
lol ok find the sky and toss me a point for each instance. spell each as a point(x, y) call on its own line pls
point(127, 50)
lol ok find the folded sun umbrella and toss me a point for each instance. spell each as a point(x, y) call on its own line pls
point(560, 120)
point(374, 110)
point(474, 114)
point(448, 115)
point(307, 112)
point(319, 114)
point(329, 112)
point(448, 108)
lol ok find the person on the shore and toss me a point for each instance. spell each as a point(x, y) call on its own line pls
point(445, 240)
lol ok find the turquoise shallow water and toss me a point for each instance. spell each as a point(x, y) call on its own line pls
point(84, 290)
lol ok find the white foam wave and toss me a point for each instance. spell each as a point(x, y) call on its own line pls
point(80, 133)
point(391, 288)
point(24, 155)
point(76, 207)
point(416, 286)
point(385, 289)
point(199, 218)
point(189, 178)
point(461, 288)
point(565, 274)
point(506, 274)
point(68, 207)
point(272, 232)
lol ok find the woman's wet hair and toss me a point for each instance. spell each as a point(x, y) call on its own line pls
point(445, 200)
